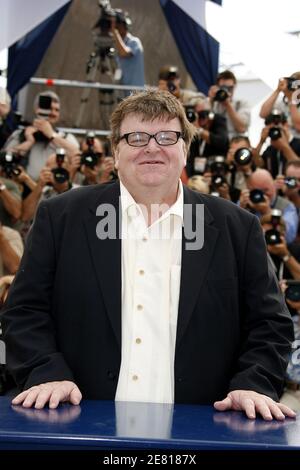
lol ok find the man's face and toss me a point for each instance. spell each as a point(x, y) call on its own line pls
point(152, 166)
point(54, 113)
point(264, 183)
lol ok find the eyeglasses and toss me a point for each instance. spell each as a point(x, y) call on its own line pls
point(141, 139)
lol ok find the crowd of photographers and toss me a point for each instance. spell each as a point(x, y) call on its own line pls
point(37, 161)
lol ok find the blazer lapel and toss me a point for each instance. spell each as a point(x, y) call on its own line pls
point(106, 254)
point(194, 264)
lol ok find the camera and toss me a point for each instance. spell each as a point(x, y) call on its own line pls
point(273, 235)
point(43, 112)
point(256, 196)
point(293, 290)
point(222, 94)
point(61, 175)
point(291, 182)
point(292, 83)
point(276, 117)
point(104, 41)
point(171, 86)
point(243, 156)
point(169, 73)
point(9, 164)
point(107, 14)
point(190, 113)
point(205, 114)
point(90, 158)
point(274, 133)
point(218, 168)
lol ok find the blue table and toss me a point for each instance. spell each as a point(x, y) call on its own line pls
point(98, 425)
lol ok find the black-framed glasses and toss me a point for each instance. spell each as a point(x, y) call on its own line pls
point(141, 139)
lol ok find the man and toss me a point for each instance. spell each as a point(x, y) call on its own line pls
point(236, 112)
point(36, 142)
point(169, 79)
point(288, 103)
point(210, 139)
point(147, 317)
point(262, 180)
point(130, 51)
point(283, 146)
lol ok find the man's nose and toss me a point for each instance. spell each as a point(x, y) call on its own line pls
point(152, 144)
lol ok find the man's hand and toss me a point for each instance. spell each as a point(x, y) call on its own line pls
point(253, 403)
point(43, 126)
point(50, 392)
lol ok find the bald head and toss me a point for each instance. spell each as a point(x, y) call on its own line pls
point(262, 179)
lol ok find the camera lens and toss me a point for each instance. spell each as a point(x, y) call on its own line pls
point(291, 182)
point(190, 114)
point(243, 156)
point(61, 175)
point(221, 95)
point(274, 133)
point(217, 181)
point(256, 196)
point(272, 237)
point(171, 86)
point(90, 159)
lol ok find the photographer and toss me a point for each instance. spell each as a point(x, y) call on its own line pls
point(211, 137)
point(241, 164)
point(169, 79)
point(283, 146)
point(54, 179)
point(93, 165)
point(130, 50)
point(260, 198)
point(288, 103)
point(37, 141)
point(236, 112)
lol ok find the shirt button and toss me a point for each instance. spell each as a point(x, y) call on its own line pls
point(138, 340)
point(144, 238)
point(134, 377)
point(141, 272)
point(140, 307)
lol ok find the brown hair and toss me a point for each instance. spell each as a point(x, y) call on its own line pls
point(151, 104)
point(226, 75)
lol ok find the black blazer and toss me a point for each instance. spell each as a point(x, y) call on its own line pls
point(62, 320)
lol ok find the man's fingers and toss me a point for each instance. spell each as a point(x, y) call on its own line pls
point(75, 396)
point(30, 398)
point(52, 393)
point(20, 398)
point(223, 405)
point(286, 410)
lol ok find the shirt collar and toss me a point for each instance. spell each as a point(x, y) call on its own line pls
point(176, 209)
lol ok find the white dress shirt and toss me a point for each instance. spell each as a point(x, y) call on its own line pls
point(151, 268)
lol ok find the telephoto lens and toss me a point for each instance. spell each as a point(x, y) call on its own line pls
point(256, 196)
point(221, 94)
point(275, 133)
point(243, 156)
point(272, 237)
point(291, 182)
